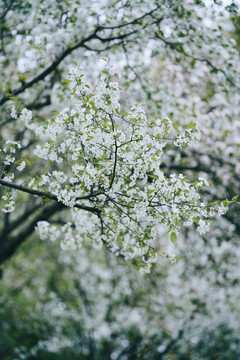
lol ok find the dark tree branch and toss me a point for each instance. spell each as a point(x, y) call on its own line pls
point(20, 220)
point(39, 105)
point(50, 68)
point(33, 106)
point(47, 195)
point(137, 76)
point(112, 38)
point(6, 121)
point(179, 48)
point(6, 10)
point(8, 246)
point(69, 50)
point(133, 22)
point(103, 49)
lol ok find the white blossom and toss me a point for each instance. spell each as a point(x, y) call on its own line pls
point(21, 167)
point(203, 227)
point(8, 203)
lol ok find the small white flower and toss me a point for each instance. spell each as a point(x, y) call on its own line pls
point(203, 227)
point(21, 166)
point(13, 112)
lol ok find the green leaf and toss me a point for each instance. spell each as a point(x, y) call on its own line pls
point(175, 126)
point(196, 219)
point(173, 237)
point(150, 192)
point(225, 203)
point(191, 125)
point(27, 161)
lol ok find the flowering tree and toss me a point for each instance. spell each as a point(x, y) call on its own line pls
point(103, 163)
point(107, 165)
point(81, 162)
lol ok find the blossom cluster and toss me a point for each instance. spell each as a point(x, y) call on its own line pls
point(8, 203)
point(108, 172)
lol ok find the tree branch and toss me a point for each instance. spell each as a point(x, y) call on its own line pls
point(175, 46)
point(46, 194)
point(69, 50)
point(50, 68)
point(19, 220)
point(135, 21)
point(6, 10)
point(8, 246)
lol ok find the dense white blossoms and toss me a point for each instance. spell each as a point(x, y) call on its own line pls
point(112, 178)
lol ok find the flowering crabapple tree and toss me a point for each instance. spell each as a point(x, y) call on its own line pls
point(107, 172)
point(103, 163)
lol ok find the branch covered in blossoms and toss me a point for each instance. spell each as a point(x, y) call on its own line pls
point(104, 164)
